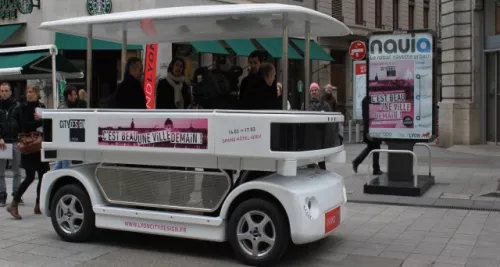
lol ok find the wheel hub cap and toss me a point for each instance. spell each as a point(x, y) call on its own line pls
point(69, 214)
point(256, 234)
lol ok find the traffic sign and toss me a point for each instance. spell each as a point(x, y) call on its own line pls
point(357, 50)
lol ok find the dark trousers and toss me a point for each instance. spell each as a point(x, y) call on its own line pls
point(43, 167)
point(371, 145)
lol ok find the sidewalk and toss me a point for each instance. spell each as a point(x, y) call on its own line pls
point(463, 180)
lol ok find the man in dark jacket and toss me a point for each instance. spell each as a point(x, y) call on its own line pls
point(130, 94)
point(255, 59)
point(261, 90)
point(9, 134)
point(371, 144)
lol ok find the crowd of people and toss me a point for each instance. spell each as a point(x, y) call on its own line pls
point(257, 91)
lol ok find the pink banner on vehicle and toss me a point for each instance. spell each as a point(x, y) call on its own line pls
point(162, 133)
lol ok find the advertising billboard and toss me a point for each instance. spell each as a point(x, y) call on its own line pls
point(400, 85)
point(359, 87)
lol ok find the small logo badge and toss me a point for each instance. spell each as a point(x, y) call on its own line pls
point(99, 7)
point(25, 6)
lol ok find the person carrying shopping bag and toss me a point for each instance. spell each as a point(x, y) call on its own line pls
point(29, 144)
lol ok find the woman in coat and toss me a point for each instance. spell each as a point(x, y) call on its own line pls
point(172, 91)
point(29, 121)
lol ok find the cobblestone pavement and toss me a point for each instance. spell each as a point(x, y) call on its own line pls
point(372, 235)
point(462, 179)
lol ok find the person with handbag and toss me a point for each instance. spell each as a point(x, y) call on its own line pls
point(29, 144)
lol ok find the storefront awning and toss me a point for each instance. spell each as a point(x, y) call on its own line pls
point(316, 52)
point(72, 42)
point(274, 47)
point(212, 47)
point(34, 63)
point(242, 47)
point(7, 31)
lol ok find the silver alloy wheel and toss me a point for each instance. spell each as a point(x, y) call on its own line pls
point(256, 237)
point(69, 214)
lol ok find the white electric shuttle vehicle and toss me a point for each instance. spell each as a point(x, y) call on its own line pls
point(217, 175)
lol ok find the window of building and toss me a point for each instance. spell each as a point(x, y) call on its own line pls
point(426, 14)
point(411, 13)
point(359, 12)
point(337, 10)
point(395, 14)
point(378, 14)
point(497, 18)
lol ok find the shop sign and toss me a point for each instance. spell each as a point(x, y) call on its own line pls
point(8, 9)
point(99, 7)
point(25, 6)
point(300, 86)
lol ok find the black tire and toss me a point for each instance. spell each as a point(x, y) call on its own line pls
point(281, 226)
point(87, 227)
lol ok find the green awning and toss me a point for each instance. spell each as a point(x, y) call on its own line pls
point(242, 47)
point(35, 63)
point(212, 47)
point(8, 30)
point(274, 47)
point(316, 52)
point(72, 42)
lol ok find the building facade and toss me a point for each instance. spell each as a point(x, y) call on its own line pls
point(468, 111)
point(364, 17)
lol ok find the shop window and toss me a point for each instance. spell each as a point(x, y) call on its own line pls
point(426, 14)
point(395, 14)
point(378, 14)
point(411, 14)
point(359, 12)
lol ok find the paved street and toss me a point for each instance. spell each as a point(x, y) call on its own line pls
point(462, 179)
point(372, 235)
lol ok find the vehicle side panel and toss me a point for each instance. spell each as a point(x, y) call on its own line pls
point(83, 173)
point(326, 189)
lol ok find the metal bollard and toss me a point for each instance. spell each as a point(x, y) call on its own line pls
point(357, 133)
point(350, 131)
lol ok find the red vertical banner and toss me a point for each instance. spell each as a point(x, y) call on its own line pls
point(150, 75)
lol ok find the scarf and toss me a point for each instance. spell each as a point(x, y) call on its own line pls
point(177, 83)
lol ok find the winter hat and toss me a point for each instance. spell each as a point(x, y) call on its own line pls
point(314, 85)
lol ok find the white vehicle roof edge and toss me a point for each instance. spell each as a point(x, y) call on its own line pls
point(203, 20)
point(50, 48)
point(11, 71)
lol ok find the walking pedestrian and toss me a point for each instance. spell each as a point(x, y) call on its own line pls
point(9, 134)
point(29, 122)
point(370, 144)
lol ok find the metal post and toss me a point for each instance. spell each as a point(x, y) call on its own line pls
point(350, 131)
point(430, 155)
point(55, 92)
point(124, 49)
point(89, 65)
point(284, 62)
point(307, 63)
point(357, 132)
point(388, 151)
